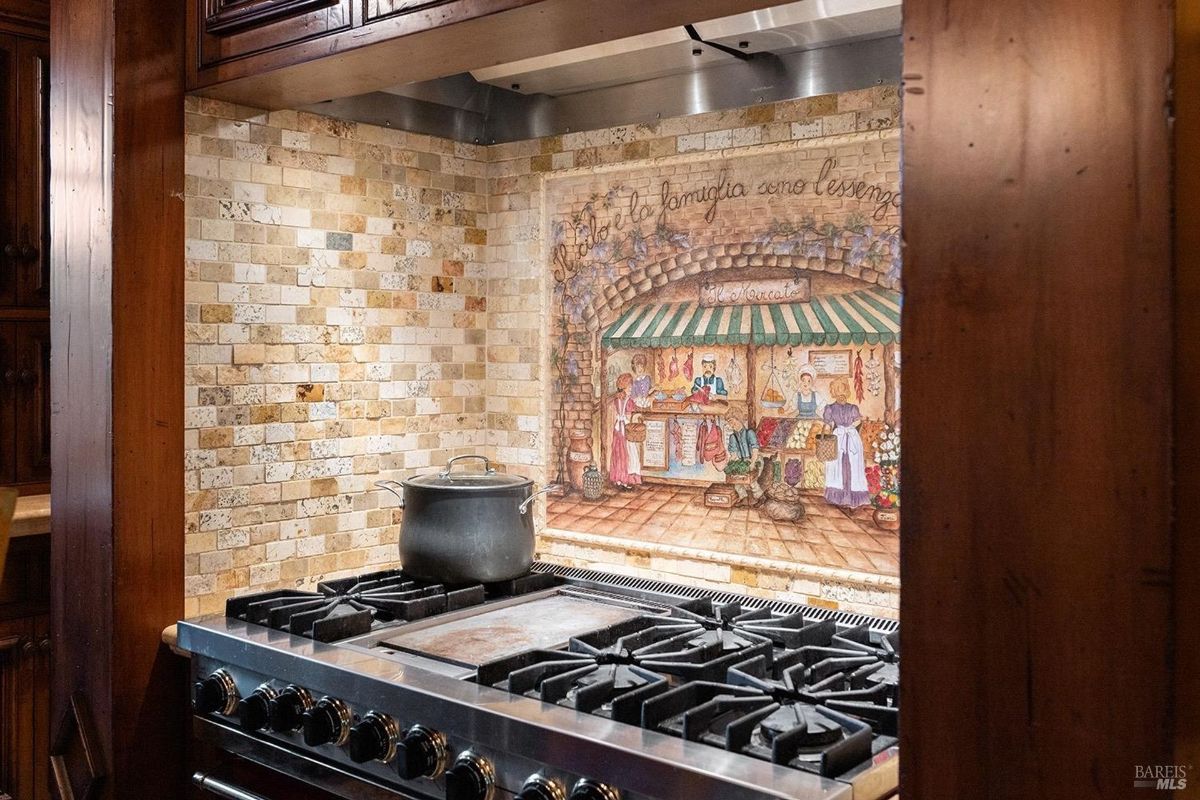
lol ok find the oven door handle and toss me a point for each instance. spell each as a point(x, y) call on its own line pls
point(222, 789)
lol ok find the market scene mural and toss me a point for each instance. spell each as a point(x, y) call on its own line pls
point(726, 353)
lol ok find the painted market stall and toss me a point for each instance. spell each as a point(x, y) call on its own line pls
point(772, 365)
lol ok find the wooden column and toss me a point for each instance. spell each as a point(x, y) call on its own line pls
point(1187, 388)
point(1037, 535)
point(117, 379)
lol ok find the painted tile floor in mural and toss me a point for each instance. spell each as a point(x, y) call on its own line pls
point(670, 515)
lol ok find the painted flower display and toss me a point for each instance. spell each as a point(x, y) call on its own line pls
point(887, 447)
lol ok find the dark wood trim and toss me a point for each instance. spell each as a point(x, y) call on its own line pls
point(76, 764)
point(117, 487)
point(453, 36)
point(25, 17)
point(1036, 550)
point(1187, 387)
point(227, 17)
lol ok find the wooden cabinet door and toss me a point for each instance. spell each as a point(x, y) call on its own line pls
point(8, 402)
point(27, 386)
point(230, 29)
point(17, 657)
point(40, 687)
point(28, 248)
point(24, 177)
point(10, 269)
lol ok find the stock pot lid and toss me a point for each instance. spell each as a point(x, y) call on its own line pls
point(468, 481)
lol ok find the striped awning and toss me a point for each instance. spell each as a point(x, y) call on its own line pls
point(869, 316)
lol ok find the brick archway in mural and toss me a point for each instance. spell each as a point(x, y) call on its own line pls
point(645, 279)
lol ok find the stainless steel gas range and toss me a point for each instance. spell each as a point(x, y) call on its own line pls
point(562, 684)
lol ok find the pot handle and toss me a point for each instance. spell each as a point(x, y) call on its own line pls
point(487, 465)
point(395, 487)
point(524, 507)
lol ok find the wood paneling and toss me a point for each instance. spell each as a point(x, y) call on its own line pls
point(377, 9)
point(117, 274)
point(17, 653)
point(455, 36)
point(24, 260)
point(26, 386)
point(227, 16)
point(1036, 549)
point(24, 674)
point(27, 249)
point(232, 30)
point(29, 17)
point(1187, 387)
point(24, 263)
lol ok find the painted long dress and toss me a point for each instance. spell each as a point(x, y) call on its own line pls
point(624, 463)
point(846, 476)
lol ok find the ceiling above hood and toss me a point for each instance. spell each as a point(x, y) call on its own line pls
point(793, 50)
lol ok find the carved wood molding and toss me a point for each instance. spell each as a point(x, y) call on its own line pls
point(378, 9)
point(75, 760)
point(226, 17)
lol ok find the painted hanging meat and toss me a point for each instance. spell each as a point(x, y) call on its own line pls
point(673, 369)
point(689, 366)
point(713, 446)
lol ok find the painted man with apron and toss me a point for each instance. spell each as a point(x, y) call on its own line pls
point(846, 475)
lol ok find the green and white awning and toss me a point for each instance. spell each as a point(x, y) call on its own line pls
point(869, 316)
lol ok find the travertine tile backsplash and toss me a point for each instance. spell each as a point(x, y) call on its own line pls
point(364, 302)
point(336, 326)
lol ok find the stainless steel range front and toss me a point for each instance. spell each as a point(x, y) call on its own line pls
point(561, 684)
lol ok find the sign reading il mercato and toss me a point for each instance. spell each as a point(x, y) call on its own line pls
point(753, 292)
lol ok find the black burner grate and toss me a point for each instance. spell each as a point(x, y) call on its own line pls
point(802, 687)
point(347, 607)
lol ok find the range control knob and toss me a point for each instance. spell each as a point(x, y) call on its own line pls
point(588, 789)
point(286, 713)
point(328, 722)
point(255, 711)
point(374, 739)
point(216, 694)
point(471, 778)
point(539, 787)
point(421, 754)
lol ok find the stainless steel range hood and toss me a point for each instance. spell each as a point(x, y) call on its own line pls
point(794, 50)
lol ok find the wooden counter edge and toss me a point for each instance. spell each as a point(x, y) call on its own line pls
point(32, 517)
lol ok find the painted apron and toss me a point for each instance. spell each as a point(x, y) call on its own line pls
point(625, 466)
point(846, 475)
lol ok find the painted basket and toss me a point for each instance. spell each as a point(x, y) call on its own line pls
point(827, 447)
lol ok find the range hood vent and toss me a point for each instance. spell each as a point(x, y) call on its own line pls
point(794, 50)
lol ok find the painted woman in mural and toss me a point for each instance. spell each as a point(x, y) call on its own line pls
point(808, 402)
point(625, 463)
point(846, 475)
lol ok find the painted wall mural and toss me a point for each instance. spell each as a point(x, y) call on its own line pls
point(725, 350)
